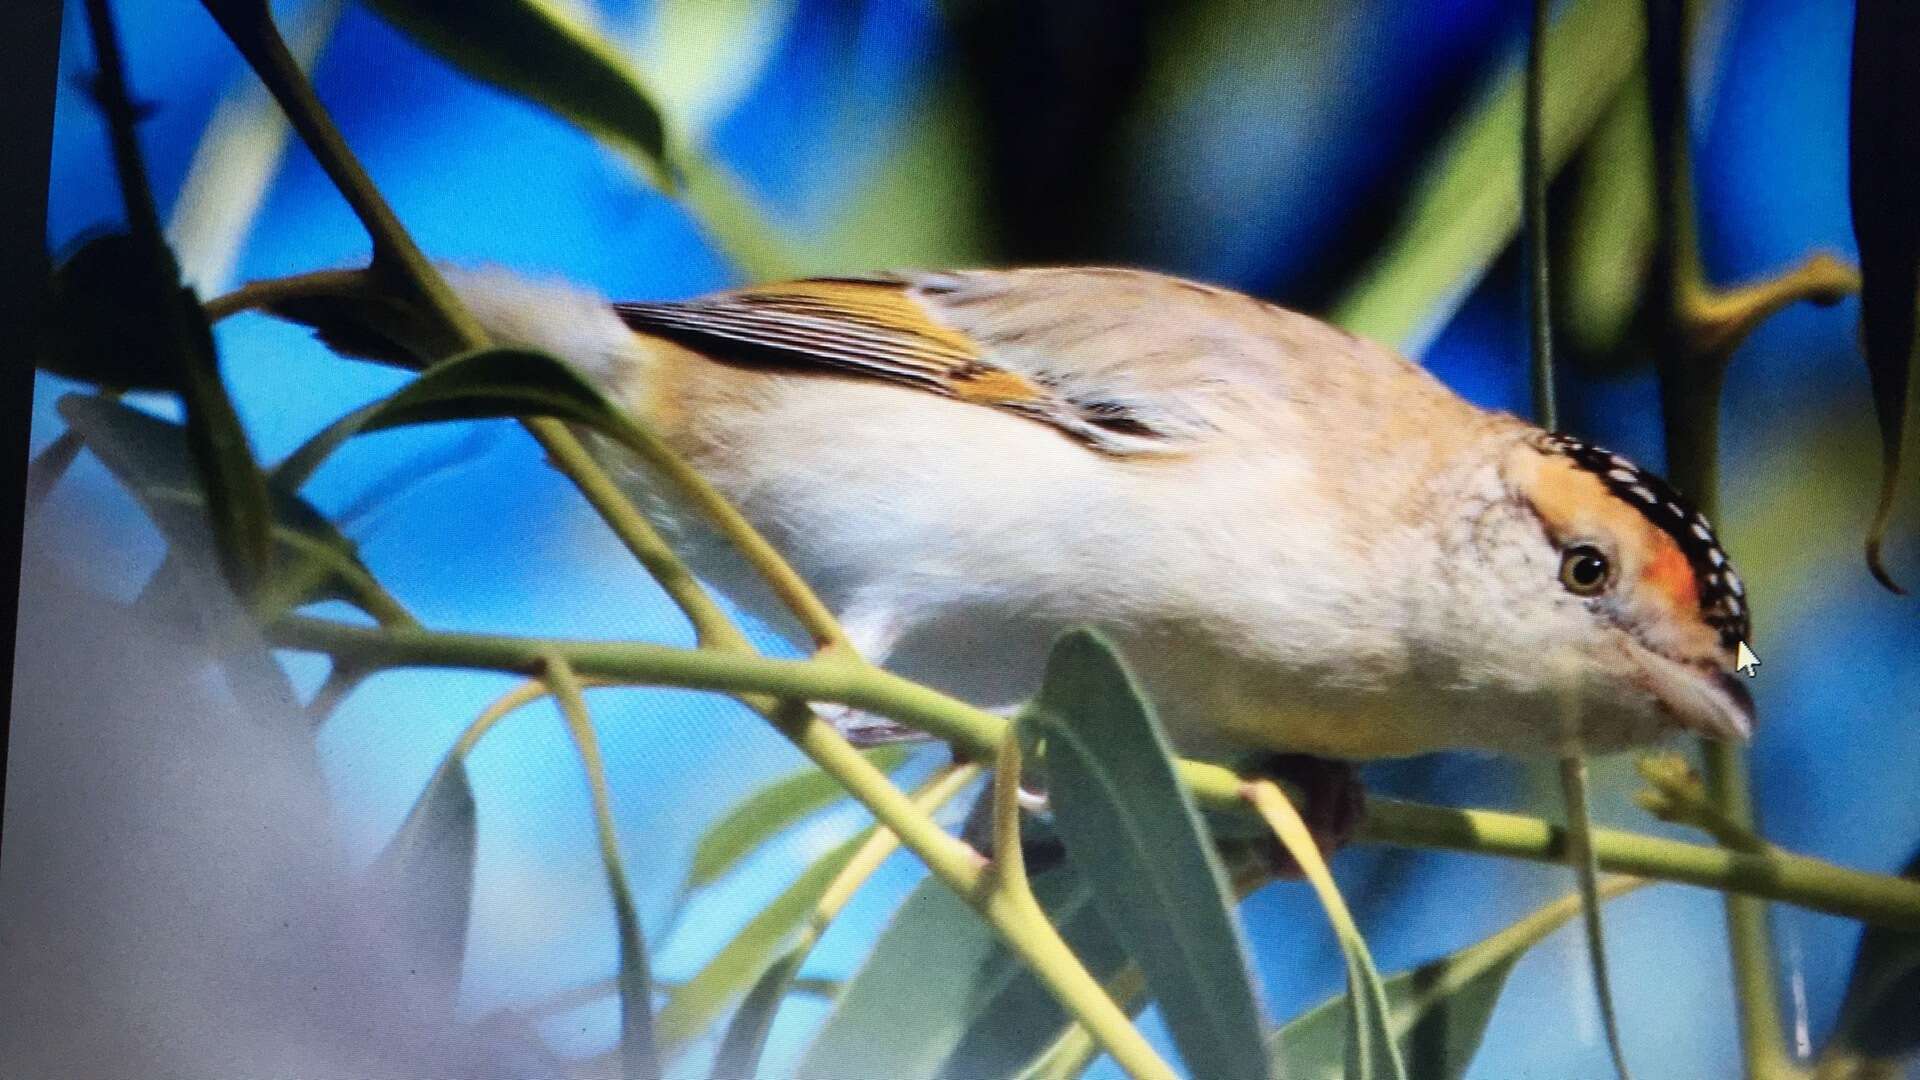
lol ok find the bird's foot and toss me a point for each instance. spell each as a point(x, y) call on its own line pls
point(865, 730)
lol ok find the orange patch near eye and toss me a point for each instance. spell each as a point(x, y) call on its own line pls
point(1671, 573)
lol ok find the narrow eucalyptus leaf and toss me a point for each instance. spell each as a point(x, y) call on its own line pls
point(1133, 830)
point(496, 383)
point(425, 876)
point(1878, 1018)
point(149, 456)
point(693, 1006)
point(704, 56)
point(746, 1037)
point(529, 48)
point(1438, 1011)
point(943, 998)
point(767, 813)
point(1607, 247)
point(1884, 187)
point(481, 385)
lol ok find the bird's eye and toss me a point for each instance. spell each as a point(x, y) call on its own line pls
point(1584, 571)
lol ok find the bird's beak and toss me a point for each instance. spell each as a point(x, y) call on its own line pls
point(1715, 703)
point(1733, 687)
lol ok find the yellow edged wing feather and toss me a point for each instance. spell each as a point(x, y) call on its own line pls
point(877, 328)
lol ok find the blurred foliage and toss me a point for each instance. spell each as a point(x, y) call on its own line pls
point(1467, 210)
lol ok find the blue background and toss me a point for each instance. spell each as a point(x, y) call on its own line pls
point(1251, 174)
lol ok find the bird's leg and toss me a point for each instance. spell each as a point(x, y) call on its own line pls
point(1041, 848)
point(1330, 797)
point(873, 632)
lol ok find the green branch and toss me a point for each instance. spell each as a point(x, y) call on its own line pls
point(1794, 879)
point(1699, 328)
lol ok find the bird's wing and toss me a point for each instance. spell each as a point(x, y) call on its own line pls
point(1093, 353)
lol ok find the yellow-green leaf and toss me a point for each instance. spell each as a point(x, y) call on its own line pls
point(1439, 1011)
point(694, 1005)
point(769, 812)
point(703, 56)
point(239, 154)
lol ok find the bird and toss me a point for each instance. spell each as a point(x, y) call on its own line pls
point(1300, 541)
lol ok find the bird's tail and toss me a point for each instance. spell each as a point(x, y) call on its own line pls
point(355, 313)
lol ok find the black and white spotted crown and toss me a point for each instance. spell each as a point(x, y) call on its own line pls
point(1723, 599)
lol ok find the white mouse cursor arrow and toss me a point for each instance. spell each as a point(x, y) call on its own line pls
point(1744, 661)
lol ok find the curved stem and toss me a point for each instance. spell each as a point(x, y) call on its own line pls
point(639, 1054)
point(257, 295)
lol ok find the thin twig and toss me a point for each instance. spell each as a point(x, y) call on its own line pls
point(1009, 854)
point(1795, 879)
point(1690, 385)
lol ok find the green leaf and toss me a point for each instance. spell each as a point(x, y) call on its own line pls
point(694, 1005)
point(149, 457)
point(1884, 186)
point(530, 48)
point(1577, 799)
point(425, 873)
point(497, 383)
point(1877, 1019)
point(770, 811)
point(943, 998)
point(1133, 830)
point(746, 1037)
point(481, 385)
point(1439, 1011)
point(105, 322)
point(1467, 208)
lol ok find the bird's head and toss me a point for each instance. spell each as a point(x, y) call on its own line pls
point(1617, 601)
